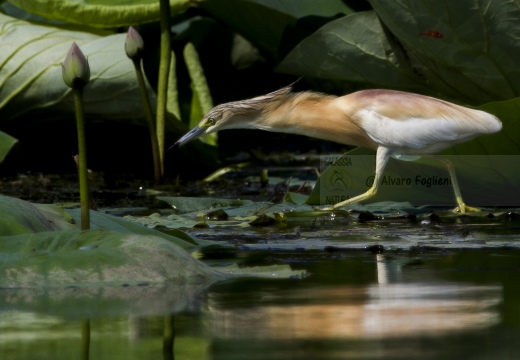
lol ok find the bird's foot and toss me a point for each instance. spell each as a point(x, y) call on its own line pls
point(462, 209)
point(356, 199)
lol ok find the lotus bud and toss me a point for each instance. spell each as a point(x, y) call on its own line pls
point(75, 68)
point(134, 44)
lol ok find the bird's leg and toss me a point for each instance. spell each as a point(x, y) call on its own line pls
point(382, 156)
point(462, 207)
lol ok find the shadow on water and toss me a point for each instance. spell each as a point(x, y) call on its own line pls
point(460, 304)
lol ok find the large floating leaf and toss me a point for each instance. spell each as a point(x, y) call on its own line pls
point(303, 8)
point(88, 258)
point(100, 13)
point(266, 23)
point(41, 247)
point(472, 55)
point(352, 48)
point(22, 217)
point(242, 215)
point(189, 204)
point(476, 60)
point(99, 221)
point(30, 72)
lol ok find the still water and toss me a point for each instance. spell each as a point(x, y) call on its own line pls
point(449, 304)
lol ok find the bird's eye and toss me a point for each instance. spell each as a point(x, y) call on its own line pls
point(211, 121)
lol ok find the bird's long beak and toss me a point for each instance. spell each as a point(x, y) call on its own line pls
point(190, 135)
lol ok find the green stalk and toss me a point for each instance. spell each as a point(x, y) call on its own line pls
point(198, 79)
point(85, 339)
point(172, 104)
point(168, 336)
point(157, 167)
point(82, 165)
point(201, 101)
point(164, 68)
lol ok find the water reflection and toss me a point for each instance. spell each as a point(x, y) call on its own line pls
point(395, 310)
point(65, 321)
point(85, 339)
point(403, 309)
point(369, 306)
point(363, 312)
point(96, 302)
point(168, 337)
point(389, 270)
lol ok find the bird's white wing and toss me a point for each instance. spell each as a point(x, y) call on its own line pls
point(422, 135)
point(415, 123)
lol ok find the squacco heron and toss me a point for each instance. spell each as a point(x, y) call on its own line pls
point(394, 123)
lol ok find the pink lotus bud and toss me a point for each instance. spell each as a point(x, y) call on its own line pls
point(75, 69)
point(134, 44)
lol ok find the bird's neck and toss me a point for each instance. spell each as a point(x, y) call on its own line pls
point(315, 115)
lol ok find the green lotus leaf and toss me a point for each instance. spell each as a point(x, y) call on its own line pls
point(475, 57)
point(463, 50)
point(193, 204)
point(353, 48)
point(96, 258)
point(31, 79)
point(270, 24)
point(101, 13)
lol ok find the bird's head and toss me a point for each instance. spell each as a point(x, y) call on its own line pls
point(245, 114)
point(216, 119)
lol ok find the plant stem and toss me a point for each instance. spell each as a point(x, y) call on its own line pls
point(82, 166)
point(172, 105)
point(164, 68)
point(196, 71)
point(157, 167)
point(168, 336)
point(202, 101)
point(85, 339)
